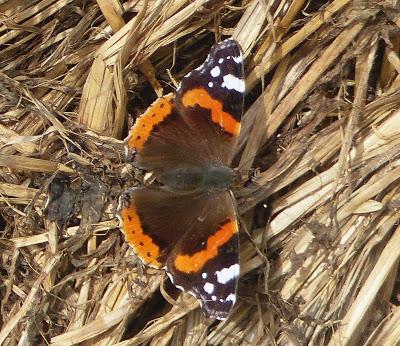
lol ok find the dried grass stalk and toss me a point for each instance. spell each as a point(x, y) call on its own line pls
point(320, 145)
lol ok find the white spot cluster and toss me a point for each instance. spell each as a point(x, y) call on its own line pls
point(217, 294)
point(210, 65)
point(227, 274)
point(232, 82)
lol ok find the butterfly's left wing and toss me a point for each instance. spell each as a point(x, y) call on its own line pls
point(210, 99)
point(198, 126)
point(160, 140)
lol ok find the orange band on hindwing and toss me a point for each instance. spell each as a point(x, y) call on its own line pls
point(193, 263)
point(201, 97)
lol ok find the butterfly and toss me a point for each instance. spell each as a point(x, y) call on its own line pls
point(186, 223)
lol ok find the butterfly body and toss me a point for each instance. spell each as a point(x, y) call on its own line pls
point(187, 223)
point(205, 178)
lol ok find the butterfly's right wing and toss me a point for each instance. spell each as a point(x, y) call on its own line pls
point(193, 236)
point(205, 262)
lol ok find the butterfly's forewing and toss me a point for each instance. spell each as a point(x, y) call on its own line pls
point(201, 124)
point(205, 262)
point(193, 236)
point(160, 140)
point(210, 98)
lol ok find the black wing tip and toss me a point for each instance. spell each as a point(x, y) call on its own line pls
point(215, 311)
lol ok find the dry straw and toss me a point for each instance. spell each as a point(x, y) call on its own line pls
point(320, 145)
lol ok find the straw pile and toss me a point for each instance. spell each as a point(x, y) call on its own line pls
point(320, 242)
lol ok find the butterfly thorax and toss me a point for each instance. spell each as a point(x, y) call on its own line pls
point(205, 178)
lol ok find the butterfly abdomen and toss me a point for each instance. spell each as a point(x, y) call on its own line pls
point(206, 178)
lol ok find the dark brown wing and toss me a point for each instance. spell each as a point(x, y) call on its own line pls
point(155, 220)
point(160, 140)
point(193, 236)
point(205, 262)
point(201, 125)
point(210, 99)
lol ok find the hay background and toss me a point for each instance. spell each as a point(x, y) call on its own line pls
point(320, 143)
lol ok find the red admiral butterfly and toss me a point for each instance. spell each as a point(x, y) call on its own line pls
point(187, 224)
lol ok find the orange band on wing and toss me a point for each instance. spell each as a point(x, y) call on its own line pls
point(194, 263)
point(201, 97)
point(155, 114)
point(143, 245)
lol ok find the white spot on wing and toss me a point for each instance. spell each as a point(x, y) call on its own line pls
point(209, 287)
point(213, 298)
point(204, 275)
point(232, 82)
point(227, 274)
point(220, 60)
point(231, 298)
point(215, 72)
point(237, 59)
point(210, 84)
point(200, 68)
